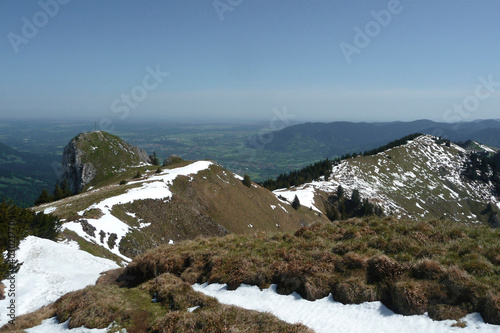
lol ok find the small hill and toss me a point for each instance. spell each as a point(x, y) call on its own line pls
point(478, 147)
point(420, 180)
point(92, 158)
point(127, 206)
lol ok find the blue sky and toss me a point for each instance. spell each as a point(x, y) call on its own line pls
point(240, 59)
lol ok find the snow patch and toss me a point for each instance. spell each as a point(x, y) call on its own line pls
point(326, 315)
point(52, 325)
point(144, 225)
point(49, 210)
point(154, 187)
point(51, 270)
point(283, 208)
point(305, 195)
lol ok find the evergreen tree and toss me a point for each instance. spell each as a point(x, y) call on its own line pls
point(332, 213)
point(366, 208)
point(43, 198)
point(154, 159)
point(328, 173)
point(296, 203)
point(58, 192)
point(342, 209)
point(15, 224)
point(246, 181)
point(355, 198)
point(340, 192)
point(65, 189)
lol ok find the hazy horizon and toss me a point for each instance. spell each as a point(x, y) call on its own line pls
point(372, 61)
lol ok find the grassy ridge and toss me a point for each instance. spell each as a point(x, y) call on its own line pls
point(444, 268)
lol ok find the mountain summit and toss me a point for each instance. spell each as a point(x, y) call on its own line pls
point(93, 157)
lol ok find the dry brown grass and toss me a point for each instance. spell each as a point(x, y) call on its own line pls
point(133, 309)
point(30, 320)
point(224, 319)
point(412, 267)
point(348, 259)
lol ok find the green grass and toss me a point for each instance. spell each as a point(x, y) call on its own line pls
point(67, 208)
point(92, 248)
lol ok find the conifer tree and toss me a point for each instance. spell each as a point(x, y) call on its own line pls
point(154, 159)
point(15, 224)
point(355, 198)
point(58, 192)
point(340, 192)
point(332, 213)
point(246, 181)
point(43, 198)
point(65, 189)
point(296, 203)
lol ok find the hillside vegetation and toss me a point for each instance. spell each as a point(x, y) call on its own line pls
point(164, 304)
point(210, 202)
point(324, 168)
point(17, 223)
point(445, 268)
point(24, 175)
point(422, 179)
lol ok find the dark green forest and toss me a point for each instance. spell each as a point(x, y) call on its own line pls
point(340, 207)
point(484, 167)
point(316, 170)
point(16, 223)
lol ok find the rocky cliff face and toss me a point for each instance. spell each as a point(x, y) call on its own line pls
point(94, 156)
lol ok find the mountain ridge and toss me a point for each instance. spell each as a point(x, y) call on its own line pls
point(421, 179)
point(135, 207)
point(339, 138)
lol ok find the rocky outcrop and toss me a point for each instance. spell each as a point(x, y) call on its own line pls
point(76, 172)
point(172, 159)
point(90, 154)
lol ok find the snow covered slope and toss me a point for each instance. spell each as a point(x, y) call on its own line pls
point(421, 179)
point(156, 187)
point(161, 207)
point(49, 271)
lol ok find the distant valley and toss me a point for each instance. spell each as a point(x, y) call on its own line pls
point(429, 248)
point(242, 148)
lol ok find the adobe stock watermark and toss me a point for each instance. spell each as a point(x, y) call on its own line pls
point(138, 94)
point(463, 111)
point(122, 105)
point(11, 286)
point(363, 37)
point(30, 27)
point(223, 6)
point(265, 136)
